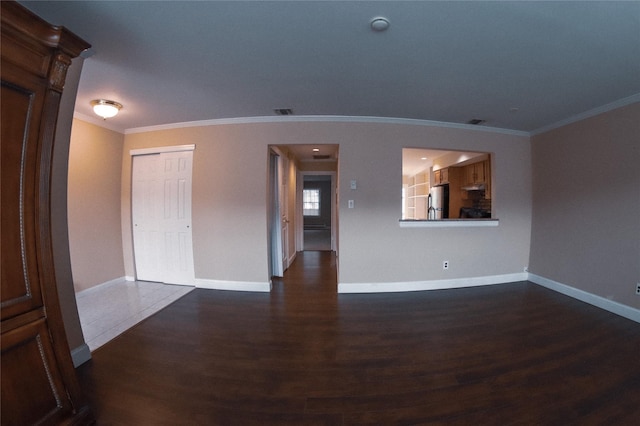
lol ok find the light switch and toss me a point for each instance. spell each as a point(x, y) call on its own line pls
point(354, 185)
point(351, 204)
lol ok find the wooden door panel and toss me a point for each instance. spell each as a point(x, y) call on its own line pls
point(20, 288)
point(38, 383)
point(31, 383)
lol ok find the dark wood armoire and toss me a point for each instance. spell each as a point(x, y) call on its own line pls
point(39, 385)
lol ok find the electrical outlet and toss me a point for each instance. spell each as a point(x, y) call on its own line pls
point(638, 289)
point(445, 264)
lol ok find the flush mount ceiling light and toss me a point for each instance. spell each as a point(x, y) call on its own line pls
point(379, 24)
point(105, 108)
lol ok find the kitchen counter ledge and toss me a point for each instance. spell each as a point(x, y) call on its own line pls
point(449, 223)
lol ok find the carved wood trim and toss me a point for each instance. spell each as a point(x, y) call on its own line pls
point(58, 73)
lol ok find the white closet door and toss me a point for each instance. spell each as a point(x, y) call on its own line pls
point(177, 217)
point(145, 209)
point(161, 213)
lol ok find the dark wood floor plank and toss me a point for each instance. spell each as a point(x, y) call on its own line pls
point(303, 355)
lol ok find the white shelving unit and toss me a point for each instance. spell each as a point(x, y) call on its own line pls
point(417, 193)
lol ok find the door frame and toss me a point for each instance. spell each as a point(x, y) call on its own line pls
point(275, 243)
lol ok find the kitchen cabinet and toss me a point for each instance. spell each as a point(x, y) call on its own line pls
point(39, 385)
point(475, 173)
point(478, 173)
point(441, 176)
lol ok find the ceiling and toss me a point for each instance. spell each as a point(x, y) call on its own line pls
point(305, 152)
point(518, 65)
point(415, 160)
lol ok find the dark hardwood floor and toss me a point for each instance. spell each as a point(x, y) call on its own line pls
point(304, 355)
point(317, 239)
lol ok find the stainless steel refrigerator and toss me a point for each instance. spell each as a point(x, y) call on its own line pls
point(438, 203)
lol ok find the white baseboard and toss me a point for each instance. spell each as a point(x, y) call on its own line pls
point(80, 355)
point(129, 278)
point(233, 285)
point(101, 285)
point(429, 285)
point(590, 298)
point(292, 258)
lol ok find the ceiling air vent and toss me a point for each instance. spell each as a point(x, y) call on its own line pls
point(283, 111)
point(322, 157)
point(476, 121)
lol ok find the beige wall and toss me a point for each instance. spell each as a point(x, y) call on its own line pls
point(586, 204)
point(571, 168)
point(373, 248)
point(95, 164)
point(229, 200)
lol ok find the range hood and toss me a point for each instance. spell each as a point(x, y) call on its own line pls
point(474, 187)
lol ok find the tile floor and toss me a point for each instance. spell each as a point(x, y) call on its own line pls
point(109, 309)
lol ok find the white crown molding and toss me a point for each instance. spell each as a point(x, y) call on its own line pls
point(591, 113)
point(98, 122)
point(359, 119)
point(326, 119)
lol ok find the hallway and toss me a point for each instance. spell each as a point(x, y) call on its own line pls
point(305, 355)
point(317, 239)
point(312, 274)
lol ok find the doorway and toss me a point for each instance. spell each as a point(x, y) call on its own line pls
point(288, 166)
point(161, 215)
point(318, 211)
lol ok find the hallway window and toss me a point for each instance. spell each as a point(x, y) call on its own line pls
point(311, 202)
